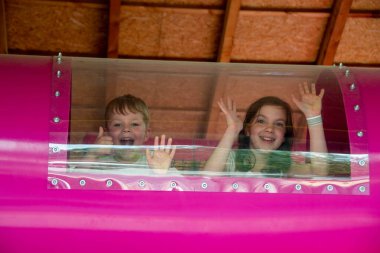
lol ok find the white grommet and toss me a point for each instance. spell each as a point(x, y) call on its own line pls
point(56, 119)
point(360, 134)
point(173, 184)
point(356, 108)
point(267, 187)
point(204, 185)
point(362, 188)
point(352, 86)
point(59, 73)
point(362, 162)
point(109, 183)
point(82, 182)
point(347, 73)
point(330, 187)
point(55, 149)
point(298, 187)
point(142, 183)
point(57, 93)
point(54, 181)
point(235, 186)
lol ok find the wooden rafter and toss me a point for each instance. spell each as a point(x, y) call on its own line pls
point(334, 30)
point(113, 28)
point(3, 29)
point(230, 20)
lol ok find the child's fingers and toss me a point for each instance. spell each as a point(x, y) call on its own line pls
point(172, 153)
point(301, 90)
point(306, 87)
point(148, 156)
point(322, 93)
point(313, 89)
point(162, 145)
point(101, 132)
point(169, 145)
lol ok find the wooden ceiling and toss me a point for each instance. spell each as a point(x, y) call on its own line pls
point(260, 31)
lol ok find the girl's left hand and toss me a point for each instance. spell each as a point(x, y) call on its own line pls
point(310, 103)
point(160, 158)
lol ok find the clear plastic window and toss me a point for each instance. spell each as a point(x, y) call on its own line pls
point(270, 152)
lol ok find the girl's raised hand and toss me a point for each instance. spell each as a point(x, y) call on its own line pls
point(160, 158)
point(233, 120)
point(310, 103)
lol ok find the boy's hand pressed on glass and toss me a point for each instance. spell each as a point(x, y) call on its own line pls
point(160, 158)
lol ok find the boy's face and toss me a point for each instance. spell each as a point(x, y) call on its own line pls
point(128, 129)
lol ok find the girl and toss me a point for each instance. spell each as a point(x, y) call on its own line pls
point(265, 138)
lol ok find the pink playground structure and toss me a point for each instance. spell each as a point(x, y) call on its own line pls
point(49, 204)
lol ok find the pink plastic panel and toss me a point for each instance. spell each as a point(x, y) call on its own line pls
point(59, 111)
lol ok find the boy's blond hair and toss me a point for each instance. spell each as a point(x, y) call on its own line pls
point(130, 102)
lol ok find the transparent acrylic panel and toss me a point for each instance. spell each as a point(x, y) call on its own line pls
point(183, 103)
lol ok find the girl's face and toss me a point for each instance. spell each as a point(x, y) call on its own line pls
point(128, 129)
point(267, 129)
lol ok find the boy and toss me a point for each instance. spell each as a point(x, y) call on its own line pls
point(127, 126)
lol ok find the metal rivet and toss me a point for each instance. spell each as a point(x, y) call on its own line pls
point(59, 55)
point(340, 65)
point(360, 134)
point(352, 86)
point(57, 93)
point(356, 108)
point(55, 149)
point(298, 187)
point(267, 187)
point(142, 183)
point(347, 73)
point(361, 163)
point(54, 181)
point(362, 188)
point(59, 73)
point(82, 182)
point(173, 184)
point(56, 119)
point(204, 185)
point(330, 187)
point(235, 186)
point(109, 183)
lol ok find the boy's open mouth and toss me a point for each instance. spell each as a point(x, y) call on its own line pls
point(127, 141)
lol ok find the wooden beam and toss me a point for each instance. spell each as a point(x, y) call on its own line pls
point(113, 28)
point(230, 20)
point(334, 30)
point(3, 29)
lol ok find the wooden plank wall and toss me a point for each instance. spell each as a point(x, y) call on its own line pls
point(281, 31)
